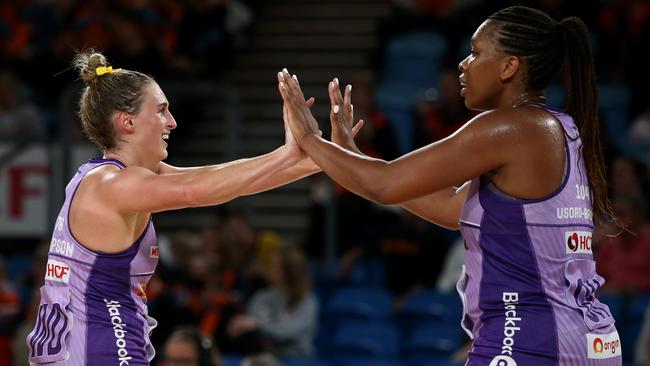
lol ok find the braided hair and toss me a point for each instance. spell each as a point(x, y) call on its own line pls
point(544, 46)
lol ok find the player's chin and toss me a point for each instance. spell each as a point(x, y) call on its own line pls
point(470, 104)
point(474, 106)
point(163, 154)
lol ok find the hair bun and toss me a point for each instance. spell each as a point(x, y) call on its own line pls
point(87, 62)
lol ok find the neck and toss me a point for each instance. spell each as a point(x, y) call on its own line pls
point(117, 156)
point(528, 98)
point(129, 159)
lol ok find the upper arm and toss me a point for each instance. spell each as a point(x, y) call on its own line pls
point(137, 189)
point(484, 144)
point(165, 168)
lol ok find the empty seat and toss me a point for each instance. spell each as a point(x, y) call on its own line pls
point(364, 340)
point(430, 306)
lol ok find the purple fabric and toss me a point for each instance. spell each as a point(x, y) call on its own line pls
point(79, 320)
point(539, 253)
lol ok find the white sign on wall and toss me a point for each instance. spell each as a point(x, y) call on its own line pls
point(24, 192)
point(25, 186)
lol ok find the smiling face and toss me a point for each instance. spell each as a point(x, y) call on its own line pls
point(153, 124)
point(481, 71)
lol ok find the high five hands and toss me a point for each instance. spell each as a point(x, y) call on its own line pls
point(303, 124)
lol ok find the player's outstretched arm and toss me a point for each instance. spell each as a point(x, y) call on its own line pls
point(141, 190)
point(483, 144)
point(441, 208)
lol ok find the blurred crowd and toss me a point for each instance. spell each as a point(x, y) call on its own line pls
point(233, 290)
point(38, 39)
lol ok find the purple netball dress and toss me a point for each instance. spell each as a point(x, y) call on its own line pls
point(93, 307)
point(529, 279)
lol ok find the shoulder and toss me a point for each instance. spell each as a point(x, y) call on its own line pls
point(110, 174)
point(509, 127)
point(515, 120)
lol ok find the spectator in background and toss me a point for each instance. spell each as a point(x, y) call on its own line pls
point(282, 318)
point(624, 259)
point(19, 117)
point(186, 347)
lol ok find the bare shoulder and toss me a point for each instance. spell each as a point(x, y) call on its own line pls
point(108, 181)
point(110, 174)
point(522, 122)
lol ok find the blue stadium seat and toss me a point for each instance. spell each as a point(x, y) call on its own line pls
point(17, 266)
point(375, 273)
point(361, 340)
point(629, 334)
point(358, 303)
point(429, 361)
point(613, 302)
point(638, 306)
point(368, 362)
point(414, 59)
point(430, 306)
point(613, 103)
point(304, 362)
point(231, 360)
point(412, 64)
point(432, 340)
point(396, 103)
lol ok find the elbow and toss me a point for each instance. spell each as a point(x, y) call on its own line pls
point(384, 196)
point(191, 195)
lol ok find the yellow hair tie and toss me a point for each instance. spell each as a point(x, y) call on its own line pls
point(104, 70)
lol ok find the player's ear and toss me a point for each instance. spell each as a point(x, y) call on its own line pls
point(124, 122)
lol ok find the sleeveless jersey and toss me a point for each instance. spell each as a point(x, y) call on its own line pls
point(529, 279)
point(93, 307)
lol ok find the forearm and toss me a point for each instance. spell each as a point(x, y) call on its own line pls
point(356, 172)
point(290, 174)
point(217, 184)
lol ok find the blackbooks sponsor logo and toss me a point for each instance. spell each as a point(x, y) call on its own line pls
point(578, 241)
point(57, 271)
point(574, 213)
point(602, 346)
point(510, 328)
point(119, 330)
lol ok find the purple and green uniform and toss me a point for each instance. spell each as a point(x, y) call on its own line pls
point(93, 306)
point(529, 279)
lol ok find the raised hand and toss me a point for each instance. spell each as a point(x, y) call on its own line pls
point(305, 162)
point(342, 116)
point(299, 118)
point(290, 141)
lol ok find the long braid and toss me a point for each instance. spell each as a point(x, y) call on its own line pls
point(544, 45)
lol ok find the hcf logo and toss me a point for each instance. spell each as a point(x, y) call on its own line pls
point(578, 242)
